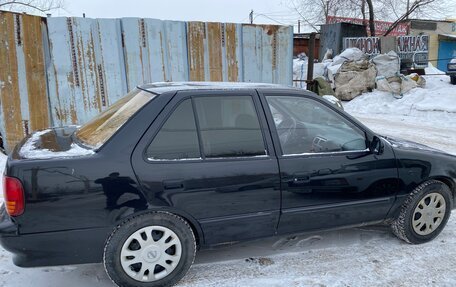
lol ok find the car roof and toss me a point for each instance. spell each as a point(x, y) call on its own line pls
point(162, 87)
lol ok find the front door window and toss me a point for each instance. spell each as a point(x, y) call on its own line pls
point(306, 126)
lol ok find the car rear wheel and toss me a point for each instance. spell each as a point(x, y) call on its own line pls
point(148, 250)
point(424, 213)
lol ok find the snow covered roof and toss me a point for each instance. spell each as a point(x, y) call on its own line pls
point(450, 36)
point(162, 87)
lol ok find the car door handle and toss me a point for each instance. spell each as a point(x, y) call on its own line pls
point(324, 171)
point(300, 179)
point(173, 184)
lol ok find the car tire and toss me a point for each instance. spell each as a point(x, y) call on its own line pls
point(424, 213)
point(148, 250)
point(453, 80)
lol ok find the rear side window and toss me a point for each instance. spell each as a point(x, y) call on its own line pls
point(178, 138)
point(229, 126)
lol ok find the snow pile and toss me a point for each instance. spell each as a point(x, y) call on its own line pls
point(435, 103)
point(30, 151)
point(433, 70)
point(350, 54)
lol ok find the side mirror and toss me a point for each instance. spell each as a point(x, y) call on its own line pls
point(376, 145)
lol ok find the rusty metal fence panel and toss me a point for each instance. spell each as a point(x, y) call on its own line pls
point(59, 71)
point(266, 48)
point(23, 92)
point(215, 51)
point(86, 73)
point(155, 51)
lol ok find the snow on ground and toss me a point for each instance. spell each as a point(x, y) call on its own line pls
point(425, 115)
point(433, 105)
point(367, 256)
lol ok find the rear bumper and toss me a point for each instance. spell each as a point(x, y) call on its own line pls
point(52, 248)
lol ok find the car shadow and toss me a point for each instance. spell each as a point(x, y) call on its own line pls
point(256, 251)
point(292, 243)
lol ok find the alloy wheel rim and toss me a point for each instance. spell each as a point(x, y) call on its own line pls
point(151, 253)
point(429, 214)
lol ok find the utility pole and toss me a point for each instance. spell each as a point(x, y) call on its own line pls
point(408, 8)
point(310, 63)
point(251, 17)
point(299, 26)
point(327, 12)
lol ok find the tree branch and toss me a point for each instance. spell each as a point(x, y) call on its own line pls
point(417, 4)
point(30, 5)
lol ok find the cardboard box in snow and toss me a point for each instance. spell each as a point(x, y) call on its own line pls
point(354, 78)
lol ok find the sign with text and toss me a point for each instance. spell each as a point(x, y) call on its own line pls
point(380, 26)
point(411, 48)
point(369, 45)
point(414, 49)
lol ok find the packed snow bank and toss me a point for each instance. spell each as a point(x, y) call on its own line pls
point(436, 103)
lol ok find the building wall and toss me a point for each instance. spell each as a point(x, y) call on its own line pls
point(433, 29)
point(301, 45)
point(332, 35)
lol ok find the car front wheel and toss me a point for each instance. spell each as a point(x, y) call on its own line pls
point(149, 250)
point(424, 213)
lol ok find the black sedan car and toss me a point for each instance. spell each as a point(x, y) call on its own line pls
point(173, 167)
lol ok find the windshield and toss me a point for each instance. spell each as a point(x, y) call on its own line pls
point(99, 129)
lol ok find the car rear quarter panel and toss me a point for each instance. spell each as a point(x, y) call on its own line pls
point(89, 191)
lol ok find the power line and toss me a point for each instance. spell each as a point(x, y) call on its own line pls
point(265, 16)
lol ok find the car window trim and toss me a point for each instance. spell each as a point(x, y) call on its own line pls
point(154, 135)
point(257, 111)
point(198, 129)
point(329, 153)
point(202, 157)
point(209, 159)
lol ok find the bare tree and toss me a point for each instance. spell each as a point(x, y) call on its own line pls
point(417, 5)
point(392, 10)
point(316, 12)
point(31, 6)
point(371, 17)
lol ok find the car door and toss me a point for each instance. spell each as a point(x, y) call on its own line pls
point(208, 156)
point(329, 178)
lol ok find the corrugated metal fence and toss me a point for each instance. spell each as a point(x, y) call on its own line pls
point(59, 71)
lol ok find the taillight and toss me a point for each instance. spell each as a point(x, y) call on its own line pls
point(14, 196)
